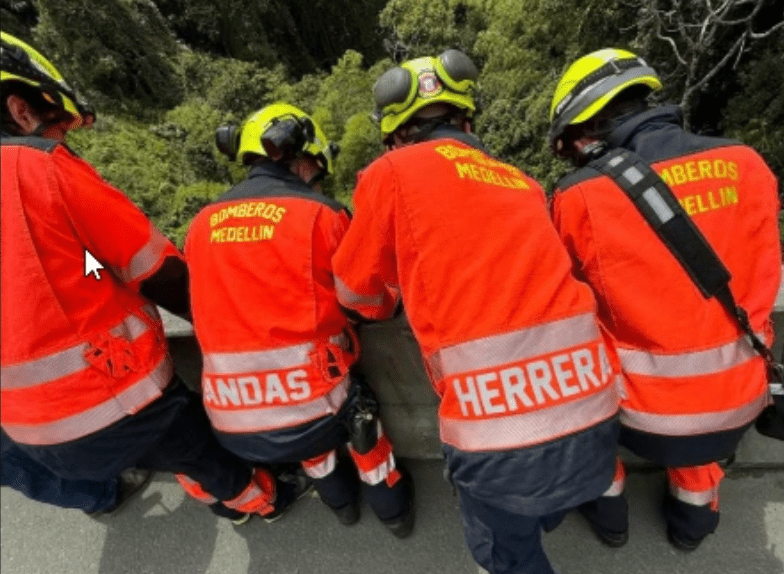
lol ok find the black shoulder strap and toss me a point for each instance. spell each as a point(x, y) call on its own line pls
point(662, 210)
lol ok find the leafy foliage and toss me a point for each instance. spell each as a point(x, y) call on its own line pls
point(164, 74)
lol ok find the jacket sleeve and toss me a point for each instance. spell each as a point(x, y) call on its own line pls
point(364, 265)
point(570, 217)
point(112, 228)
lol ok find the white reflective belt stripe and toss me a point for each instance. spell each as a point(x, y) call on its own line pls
point(695, 498)
point(145, 258)
point(206, 498)
point(321, 468)
point(691, 364)
point(351, 299)
point(525, 429)
point(379, 473)
point(63, 363)
point(266, 360)
point(698, 423)
point(129, 401)
point(495, 350)
point(247, 420)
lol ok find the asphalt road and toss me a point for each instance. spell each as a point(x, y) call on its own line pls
point(164, 532)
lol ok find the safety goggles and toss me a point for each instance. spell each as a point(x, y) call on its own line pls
point(396, 90)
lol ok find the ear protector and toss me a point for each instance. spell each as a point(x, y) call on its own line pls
point(287, 137)
point(227, 140)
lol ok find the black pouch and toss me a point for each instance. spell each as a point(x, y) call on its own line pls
point(363, 416)
point(770, 422)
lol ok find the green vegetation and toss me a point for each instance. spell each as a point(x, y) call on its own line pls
point(163, 74)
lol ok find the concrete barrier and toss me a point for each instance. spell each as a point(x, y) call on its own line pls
point(393, 366)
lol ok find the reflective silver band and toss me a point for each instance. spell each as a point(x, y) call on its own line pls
point(266, 360)
point(692, 364)
point(349, 298)
point(146, 258)
point(695, 498)
point(63, 363)
point(690, 424)
point(489, 352)
point(129, 401)
point(526, 429)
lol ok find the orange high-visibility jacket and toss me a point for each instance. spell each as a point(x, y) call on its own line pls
point(78, 352)
point(276, 345)
point(689, 369)
point(510, 339)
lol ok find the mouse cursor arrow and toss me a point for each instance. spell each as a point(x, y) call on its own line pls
point(92, 265)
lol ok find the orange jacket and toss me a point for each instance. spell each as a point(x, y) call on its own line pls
point(509, 337)
point(276, 345)
point(689, 369)
point(78, 353)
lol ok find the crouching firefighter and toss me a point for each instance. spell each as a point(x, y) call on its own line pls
point(650, 206)
point(88, 388)
point(277, 349)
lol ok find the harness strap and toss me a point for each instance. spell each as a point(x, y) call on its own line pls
point(661, 209)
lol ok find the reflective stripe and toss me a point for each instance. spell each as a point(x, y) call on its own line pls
point(616, 488)
point(701, 498)
point(518, 345)
point(145, 258)
point(129, 401)
point(692, 364)
point(520, 430)
point(349, 298)
point(63, 363)
point(194, 489)
point(619, 480)
point(267, 360)
point(320, 466)
point(376, 464)
point(246, 420)
point(379, 473)
point(699, 423)
point(251, 494)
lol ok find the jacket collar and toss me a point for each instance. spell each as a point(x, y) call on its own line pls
point(446, 131)
point(663, 116)
point(274, 170)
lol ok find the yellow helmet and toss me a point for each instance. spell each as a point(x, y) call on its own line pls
point(280, 132)
point(403, 90)
point(590, 83)
point(22, 63)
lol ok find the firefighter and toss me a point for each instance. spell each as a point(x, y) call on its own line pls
point(510, 339)
point(88, 388)
point(277, 381)
point(692, 383)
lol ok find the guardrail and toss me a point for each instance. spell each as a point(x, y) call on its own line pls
point(393, 365)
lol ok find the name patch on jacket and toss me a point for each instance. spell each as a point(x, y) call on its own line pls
point(718, 176)
point(270, 212)
point(529, 385)
point(473, 164)
point(252, 390)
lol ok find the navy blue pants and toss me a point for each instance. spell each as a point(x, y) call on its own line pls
point(171, 434)
point(38, 483)
point(505, 543)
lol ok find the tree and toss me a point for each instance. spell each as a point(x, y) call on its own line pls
point(118, 51)
point(705, 38)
